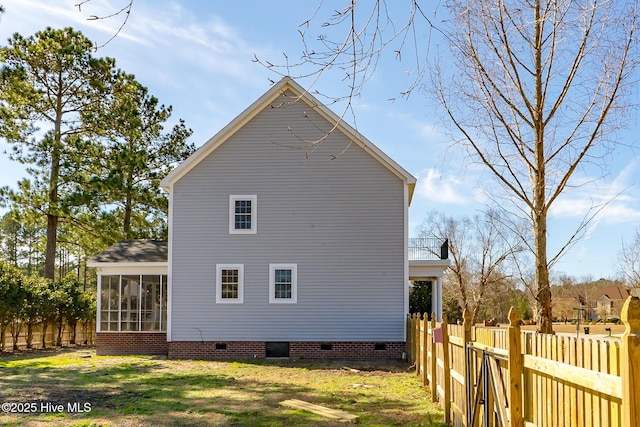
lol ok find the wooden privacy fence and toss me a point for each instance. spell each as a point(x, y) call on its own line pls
point(85, 334)
point(509, 377)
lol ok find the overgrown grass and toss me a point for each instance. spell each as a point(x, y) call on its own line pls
point(147, 391)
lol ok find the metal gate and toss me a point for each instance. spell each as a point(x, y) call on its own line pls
point(486, 389)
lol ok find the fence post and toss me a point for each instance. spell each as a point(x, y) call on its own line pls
point(416, 342)
point(433, 367)
point(515, 369)
point(425, 348)
point(446, 377)
point(409, 339)
point(411, 348)
point(418, 337)
point(466, 325)
point(630, 362)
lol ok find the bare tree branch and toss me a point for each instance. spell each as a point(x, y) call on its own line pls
point(126, 11)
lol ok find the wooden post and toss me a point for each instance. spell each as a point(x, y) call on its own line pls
point(446, 377)
point(515, 369)
point(466, 324)
point(433, 367)
point(416, 342)
point(630, 362)
point(408, 339)
point(425, 349)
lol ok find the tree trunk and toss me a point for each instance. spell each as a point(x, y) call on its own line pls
point(30, 335)
point(543, 291)
point(52, 242)
point(15, 334)
point(127, 220)
point(60, 324)
point(538, 176)
point(45, 325)
point(3, 329)
point(54, 176)
point(72, 338)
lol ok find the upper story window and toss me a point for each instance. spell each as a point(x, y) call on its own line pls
point(283, 283)
point(230, 283)
point(243, 214)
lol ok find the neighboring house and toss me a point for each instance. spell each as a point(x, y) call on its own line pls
point(609, 300)
point(288, 236)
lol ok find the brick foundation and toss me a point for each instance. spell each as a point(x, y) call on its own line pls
point(124, 343)
point(297, 350)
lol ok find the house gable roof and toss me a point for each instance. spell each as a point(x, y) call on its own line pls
point(615, 292)
point(265, 100)
point(132, 251)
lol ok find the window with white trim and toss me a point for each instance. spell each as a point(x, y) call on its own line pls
point(243, 214)
point(229, 283)
point(283, 283)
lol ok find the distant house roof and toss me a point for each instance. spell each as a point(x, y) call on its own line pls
point(616, 292)
point(133, 251)
point(268, 99)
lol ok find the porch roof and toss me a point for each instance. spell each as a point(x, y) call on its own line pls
point(132, 251)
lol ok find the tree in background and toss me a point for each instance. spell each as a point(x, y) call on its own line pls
point(95, 171)
point(546, 81)
point(48, 83)
point(451, 306)
point(136, 153)
point(420, 297)
point(481, 253)
point(10, 237)
point(22, 239)
point(36, 303)
point(628, 264)
point(12, 297)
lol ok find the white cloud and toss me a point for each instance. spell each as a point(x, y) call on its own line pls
point(433, 186)
point(618, 197)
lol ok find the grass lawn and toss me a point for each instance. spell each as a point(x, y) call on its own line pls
point(78, 388)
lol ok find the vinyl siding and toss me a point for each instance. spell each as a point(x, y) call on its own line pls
point(341, 221)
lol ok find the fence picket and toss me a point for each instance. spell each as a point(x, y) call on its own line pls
point(552, 380)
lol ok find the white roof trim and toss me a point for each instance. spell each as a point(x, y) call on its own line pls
point(255, 108)
point(126, 264)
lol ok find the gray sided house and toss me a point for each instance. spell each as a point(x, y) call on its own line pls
point(288, 237)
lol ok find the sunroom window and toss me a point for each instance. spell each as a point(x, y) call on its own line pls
point(133, 303)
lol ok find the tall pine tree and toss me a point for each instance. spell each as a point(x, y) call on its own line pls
point(138, 153)
point(48, 83)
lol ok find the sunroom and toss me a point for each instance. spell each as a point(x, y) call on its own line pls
point(132, 297)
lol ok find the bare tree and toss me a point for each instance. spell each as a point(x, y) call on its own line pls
point(628, 264)
point(480, 254)
point(547, 79)
point(533, 88)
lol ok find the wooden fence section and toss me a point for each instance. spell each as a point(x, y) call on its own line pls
point(509, 377)
point(85, 334)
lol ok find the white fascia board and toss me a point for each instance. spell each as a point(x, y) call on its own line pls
point(126, 264)
point(106, 268)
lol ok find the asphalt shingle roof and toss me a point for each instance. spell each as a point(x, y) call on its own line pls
point(134, 251)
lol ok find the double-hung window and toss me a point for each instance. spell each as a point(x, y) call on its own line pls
point(283, 283)
point(243, 214)
point(229, 283)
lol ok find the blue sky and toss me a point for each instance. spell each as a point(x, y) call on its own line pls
point(197, 56)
